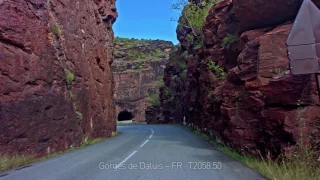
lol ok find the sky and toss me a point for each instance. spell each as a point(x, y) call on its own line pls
point(148, 19)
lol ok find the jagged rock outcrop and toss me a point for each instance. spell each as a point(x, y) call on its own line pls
point(138, 73)
point(56, 83)
point(239, 87)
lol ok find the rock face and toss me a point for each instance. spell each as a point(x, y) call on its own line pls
point(56, 83)
point(138, 73)
point(239, 88)
point(259, 14)
point(170, 109)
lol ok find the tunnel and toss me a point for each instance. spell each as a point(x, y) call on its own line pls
point(125, 115)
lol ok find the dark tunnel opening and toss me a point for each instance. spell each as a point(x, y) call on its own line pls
point(125, 115)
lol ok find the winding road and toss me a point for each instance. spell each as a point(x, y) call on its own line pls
point(140, 152)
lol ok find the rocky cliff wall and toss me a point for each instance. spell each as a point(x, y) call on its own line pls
point(138, 72)
point(238, 85)
point(56, 83)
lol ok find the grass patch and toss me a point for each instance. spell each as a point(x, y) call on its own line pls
point(294, 166)
point(10, 162)
point(88, 142)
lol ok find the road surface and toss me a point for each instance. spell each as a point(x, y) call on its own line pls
point(140, 152)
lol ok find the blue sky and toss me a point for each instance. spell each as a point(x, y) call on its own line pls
point(146, 19)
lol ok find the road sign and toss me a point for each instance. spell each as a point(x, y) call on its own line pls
point(304, 41)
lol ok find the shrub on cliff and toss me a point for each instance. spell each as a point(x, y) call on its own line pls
point(218, 71)
point(69, 76)
point(193, 15)
point(229, 39)
point(159, 81)
point(56, 29)
point(154, 99)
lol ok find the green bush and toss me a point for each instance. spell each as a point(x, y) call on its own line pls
point(138, 66)
point(69, 76)
point(158, 52)
point(218, 71)
point(183, 74)
point(194, 15)
point(190, 38)
point(133, 54)
point(56, 30)
point(142, 55)
point(154, 99)
point(198, 45)
point(229, 39)
point(160, 81)
point(185, 54)
point(182, 64)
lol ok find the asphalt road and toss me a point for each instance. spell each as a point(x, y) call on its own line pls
point(140, 152)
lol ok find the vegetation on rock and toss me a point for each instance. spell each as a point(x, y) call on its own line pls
point(153, 99)
point(141, 50)
point(56, 29)
point(69, 76)
point(229, 39)
point(218, 71)
point(193, 15)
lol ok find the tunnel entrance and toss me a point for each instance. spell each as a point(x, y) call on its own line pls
point(125, 115)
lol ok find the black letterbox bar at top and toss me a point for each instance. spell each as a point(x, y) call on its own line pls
point(304, 40)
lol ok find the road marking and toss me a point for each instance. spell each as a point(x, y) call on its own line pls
point(151, 134)
point(144, 143)
point(126, 159)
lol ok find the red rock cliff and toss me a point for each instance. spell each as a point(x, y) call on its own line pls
point(56, 83)
point(138, 72)
point(239, 87)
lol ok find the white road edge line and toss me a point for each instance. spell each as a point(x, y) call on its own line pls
point(126, 159)
point(144, 143)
